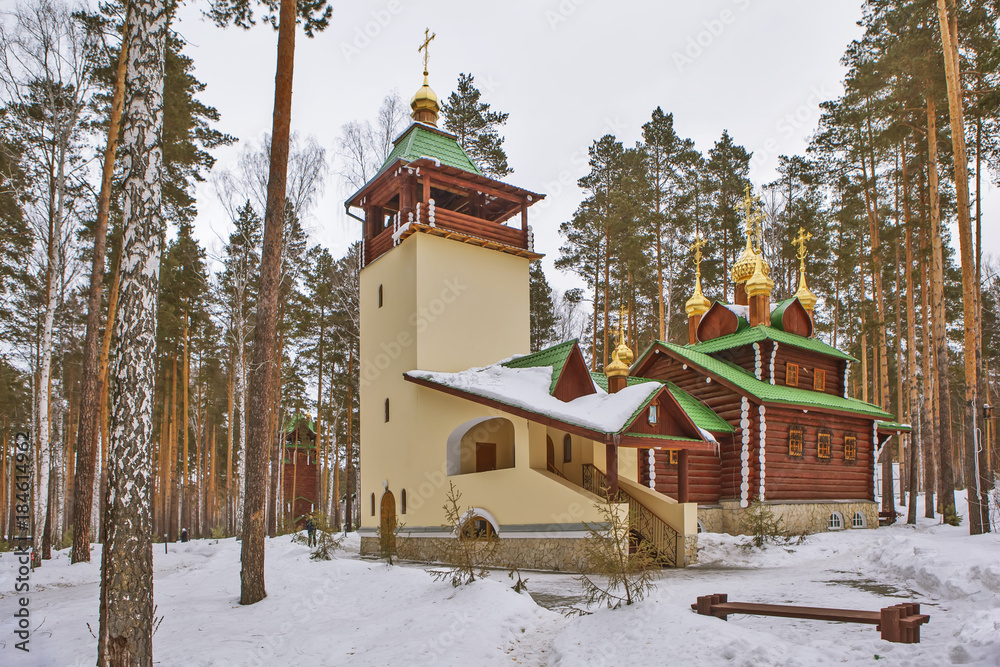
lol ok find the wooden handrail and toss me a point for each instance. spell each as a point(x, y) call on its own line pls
point(642, 520)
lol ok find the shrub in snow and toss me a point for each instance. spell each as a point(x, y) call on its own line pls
point(615, 573)
point(472, 549)
point(327, 538)
point(762, 526)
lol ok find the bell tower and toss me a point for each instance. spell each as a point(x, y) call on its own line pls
point(444, 286)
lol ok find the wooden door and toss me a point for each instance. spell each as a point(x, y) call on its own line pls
point(387, 526)
point(486, 456)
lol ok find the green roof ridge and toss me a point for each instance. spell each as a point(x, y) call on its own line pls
point(763, 332)
point(703, 416)
point(778, 313)
point(773, 392)
point(420, 140)
point(554, 356)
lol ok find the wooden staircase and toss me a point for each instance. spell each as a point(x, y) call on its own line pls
point(643, 523)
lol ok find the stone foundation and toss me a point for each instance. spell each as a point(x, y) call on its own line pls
point(562, 554)
point(798, 517)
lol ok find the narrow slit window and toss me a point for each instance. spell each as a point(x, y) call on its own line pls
point(387, 410)
point(792, 375)
point(567, 448)
point(850, 448)
point(819, 380)
point(373, 504)
point(379, 296)
point(402, 501)
point(823, 445)
point(795, 441)
point(654, 414)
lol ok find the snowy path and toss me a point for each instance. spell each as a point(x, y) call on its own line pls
point(354, 611)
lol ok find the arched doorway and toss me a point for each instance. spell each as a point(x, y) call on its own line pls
point(387, 525)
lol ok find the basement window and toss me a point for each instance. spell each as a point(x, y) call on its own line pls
point(850, 448)
point(823, 445)
point(795, 441)
point(858, 520)
point(792, 375)
point(836, 521)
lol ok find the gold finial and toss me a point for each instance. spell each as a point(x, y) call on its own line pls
point(425, 102)
point(425, 47)
point(804, 295)
point(759, 282)
point(697, 304)
point(623, 353)
point(753, 218)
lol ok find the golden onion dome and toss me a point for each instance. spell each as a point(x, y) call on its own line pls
point(697, 304)
point(746, 264)
point(759, 282)
point(805, 295)
point(625, 353)
point(617, 367)
point(425, 104)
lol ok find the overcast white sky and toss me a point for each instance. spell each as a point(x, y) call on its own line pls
point(567, 72)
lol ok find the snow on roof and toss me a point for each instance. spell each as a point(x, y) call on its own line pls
point(528, 389)
point(739, 311)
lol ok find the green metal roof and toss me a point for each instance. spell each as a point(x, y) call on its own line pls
point(702, 415)
point(555, 356)
point(895, 426)
point(601, 380)
point(761, 332)
point(420, 140)
point(656, 436)
point(773, 393)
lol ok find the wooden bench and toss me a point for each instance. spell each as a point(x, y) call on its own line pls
point(899, 623)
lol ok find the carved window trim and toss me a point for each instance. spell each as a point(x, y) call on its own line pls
point(819, 379)
point(796, 435)
point(850, 448)
point(823, 444)
point(792, 375)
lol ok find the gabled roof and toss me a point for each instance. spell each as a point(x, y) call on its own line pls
point(761, 332)
point(421, 140)
point(555, 356)
point(702, 415)
point(764, 391)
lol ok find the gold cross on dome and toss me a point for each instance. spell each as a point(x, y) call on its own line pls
point(800, 242)
point(428, 37)
point(698, 244)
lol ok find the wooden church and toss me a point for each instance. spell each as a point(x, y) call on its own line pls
point(684, 437)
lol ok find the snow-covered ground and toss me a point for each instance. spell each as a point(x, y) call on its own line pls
point(355, 611)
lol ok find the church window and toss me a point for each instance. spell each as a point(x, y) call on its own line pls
point(836, 521)
point(792, 375)
point(373, 504)
point(823, 445)
point(671, 457)
point(795, 441)
point(858, 520)
point(379, 296)
point(387, 410)
point(653, 410)
point(850, 448)
point(819, 379)
point(478, 528)
point(402, 501)
point(567, 448)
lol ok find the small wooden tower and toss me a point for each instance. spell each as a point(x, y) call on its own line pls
point(300, 469)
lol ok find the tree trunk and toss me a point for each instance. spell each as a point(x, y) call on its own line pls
point(126, 611)
point(83, 488)
point(917, 443)
point(976, 485)
point(928, 421)
point(262, 379)
point(945, 469)
point(230, 469)
point(349, 445)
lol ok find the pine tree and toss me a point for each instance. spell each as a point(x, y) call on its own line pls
point(477, 128)
point(542, 314)
point(728, 167)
